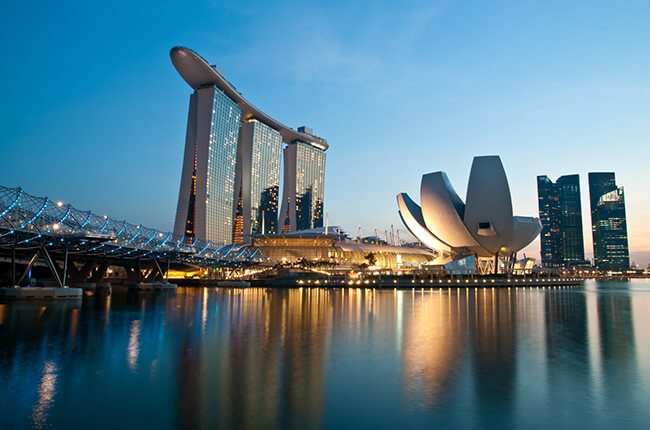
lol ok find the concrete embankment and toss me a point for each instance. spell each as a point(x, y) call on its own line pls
point(40, 293)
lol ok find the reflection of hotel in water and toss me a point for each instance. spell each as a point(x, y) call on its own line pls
point(244, 358)
point(275, 367)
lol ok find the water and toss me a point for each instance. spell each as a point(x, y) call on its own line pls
point(206, 358)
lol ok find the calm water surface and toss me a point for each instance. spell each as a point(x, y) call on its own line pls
point(255, 358)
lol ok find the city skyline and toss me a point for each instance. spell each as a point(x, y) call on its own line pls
point(579, 93)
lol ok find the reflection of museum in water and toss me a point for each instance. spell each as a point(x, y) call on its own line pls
point(243, 358)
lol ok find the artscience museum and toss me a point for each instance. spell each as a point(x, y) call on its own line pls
point(483, 225)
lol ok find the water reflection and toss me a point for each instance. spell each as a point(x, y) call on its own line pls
point(45, 395)
point(205, 358)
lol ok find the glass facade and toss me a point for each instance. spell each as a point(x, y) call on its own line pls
point(549, 215)
point(310, 178)
point(561, 216)
point(599, 183)
point(573, 248)
point(265, 178)
point(222, 157)
point(608, 223)
point(230, 181)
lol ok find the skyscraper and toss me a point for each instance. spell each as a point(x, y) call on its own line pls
point(571, 220)
point(205, 202)
point(258, 178)
point(608, 222)
point(549, 216)
point(561, 216)
point(302, 197)
point(231, 169)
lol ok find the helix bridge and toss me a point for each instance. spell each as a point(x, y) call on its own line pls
point(81, 244)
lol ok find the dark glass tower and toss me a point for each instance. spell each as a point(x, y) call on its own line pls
point(571, 220)
point(561, 216)
point(608, 222)
point(549, 216)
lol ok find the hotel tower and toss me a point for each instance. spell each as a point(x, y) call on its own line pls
point(230, 179)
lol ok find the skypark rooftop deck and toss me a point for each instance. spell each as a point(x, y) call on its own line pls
point(199, 74)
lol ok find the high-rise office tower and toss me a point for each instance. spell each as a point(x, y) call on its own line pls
point(549, 216)
point(561, 216)
point(608, 222)
point(231, 169)
point(302, 196)
point(571, 220)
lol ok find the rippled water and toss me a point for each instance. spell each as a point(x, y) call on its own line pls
point(341, 358)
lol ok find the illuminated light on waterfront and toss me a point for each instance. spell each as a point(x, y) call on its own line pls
point(133, 349)
point(204, 310)
point(46, 391)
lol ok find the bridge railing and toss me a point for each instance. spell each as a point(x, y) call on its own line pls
point(40, 217)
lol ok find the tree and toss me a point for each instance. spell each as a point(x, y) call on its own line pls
point(372, 260)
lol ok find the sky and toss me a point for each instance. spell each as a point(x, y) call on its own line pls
point(93, 113)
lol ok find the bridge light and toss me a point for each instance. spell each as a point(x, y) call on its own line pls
point(59, 204)
point(56, 226)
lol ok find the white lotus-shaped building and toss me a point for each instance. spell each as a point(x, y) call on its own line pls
point(483, 226)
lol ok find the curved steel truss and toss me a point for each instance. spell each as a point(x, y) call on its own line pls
point(28, 223)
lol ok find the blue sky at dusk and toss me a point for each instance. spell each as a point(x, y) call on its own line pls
point(93, 113)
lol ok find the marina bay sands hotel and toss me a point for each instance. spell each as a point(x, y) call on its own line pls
point(230, 183)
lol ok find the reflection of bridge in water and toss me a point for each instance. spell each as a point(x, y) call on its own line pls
point(79, 245)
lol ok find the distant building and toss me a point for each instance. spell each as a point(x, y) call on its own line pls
point(608, 222)
point(230, 181)
point(335, 248)
point(374, 240)
point(561, 216)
